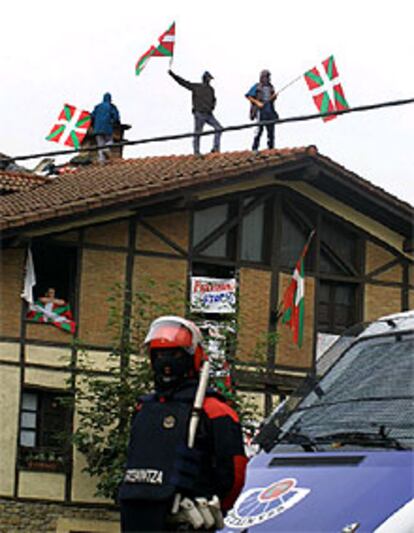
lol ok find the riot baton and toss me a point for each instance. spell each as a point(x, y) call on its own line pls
point(195, 417)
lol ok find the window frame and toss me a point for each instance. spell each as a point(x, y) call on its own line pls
point(27, 455)
point(69, 292)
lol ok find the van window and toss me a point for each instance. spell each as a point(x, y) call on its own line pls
point(366, 399)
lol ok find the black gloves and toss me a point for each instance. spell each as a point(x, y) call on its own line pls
point(186, 468)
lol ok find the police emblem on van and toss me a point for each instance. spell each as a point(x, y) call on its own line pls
point(263, 503)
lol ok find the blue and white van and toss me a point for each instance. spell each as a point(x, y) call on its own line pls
point(340, 457)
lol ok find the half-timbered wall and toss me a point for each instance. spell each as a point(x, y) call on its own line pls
point(258, 239)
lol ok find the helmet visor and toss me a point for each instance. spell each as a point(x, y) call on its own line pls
point(165, 333)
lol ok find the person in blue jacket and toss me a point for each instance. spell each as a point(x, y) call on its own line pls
point(104, 116)
point(262, 97)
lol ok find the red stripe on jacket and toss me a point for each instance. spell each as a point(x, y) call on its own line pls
point(214, 408)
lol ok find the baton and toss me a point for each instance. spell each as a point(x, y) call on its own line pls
point(195, 417)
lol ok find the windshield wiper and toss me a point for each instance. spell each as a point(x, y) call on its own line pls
point(361, 438)
point(295, 437)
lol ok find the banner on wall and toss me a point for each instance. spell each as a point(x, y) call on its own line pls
point(216, 337)
point(213, 295)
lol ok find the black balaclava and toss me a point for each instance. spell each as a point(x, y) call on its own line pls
point(169, 369)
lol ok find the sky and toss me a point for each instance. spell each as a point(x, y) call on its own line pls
point(53, 53)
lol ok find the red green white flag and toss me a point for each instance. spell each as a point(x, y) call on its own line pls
point(327, 92)
point(71, 126)
point(50, 313)
point(165, 48)
point(293, 304)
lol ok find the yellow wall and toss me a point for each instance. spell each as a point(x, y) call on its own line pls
point(47, 332)
point(254, 293)
point(44, 485)
point(9, 419)
point(112, 234)
point(380, 301)
point(162, 272)
point(47, 355)
point(174, 226)
point(83, 485)
point(46, 378)
point(377, 257)
point(11, 285)
point(101, 271)
point(9, 351)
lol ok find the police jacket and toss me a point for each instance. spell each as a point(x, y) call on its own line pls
point(203, 96)
point(160, 426)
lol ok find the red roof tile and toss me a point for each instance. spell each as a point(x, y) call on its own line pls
point(122, 181)
point(12, 181)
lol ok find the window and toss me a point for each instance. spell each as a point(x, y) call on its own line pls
point(252, 233)
point(339, 249)
point(336, 307)
point(206, 223)
point(295, 233)
point(44, 428)
point(213, 271)
point(55, 267)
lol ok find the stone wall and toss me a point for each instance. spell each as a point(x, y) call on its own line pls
point(40, 517)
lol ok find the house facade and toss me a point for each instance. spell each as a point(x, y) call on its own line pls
point(236, 216)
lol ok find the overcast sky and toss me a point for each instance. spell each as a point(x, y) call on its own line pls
point(53, 53)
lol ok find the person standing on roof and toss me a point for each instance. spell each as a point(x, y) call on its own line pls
point(210, 475)
point(104, 117)
point(203, 102)
point(262, 97)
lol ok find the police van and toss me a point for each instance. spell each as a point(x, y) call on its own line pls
point(338, 455)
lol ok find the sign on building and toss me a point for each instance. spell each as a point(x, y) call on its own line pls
point(213, 295)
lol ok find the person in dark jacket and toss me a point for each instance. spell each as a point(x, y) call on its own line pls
point(104, 117)
point(262, 97)
point(160, 463)
point(203, 104)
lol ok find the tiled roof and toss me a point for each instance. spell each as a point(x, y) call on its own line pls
point(12, 181)
point(124, 181)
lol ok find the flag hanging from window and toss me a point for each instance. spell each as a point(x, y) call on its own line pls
point(165, 48)
point(327, 92)
point(50, 313)
point(71, 127)
point(293, 304)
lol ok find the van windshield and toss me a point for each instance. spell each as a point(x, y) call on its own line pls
point(366, 399)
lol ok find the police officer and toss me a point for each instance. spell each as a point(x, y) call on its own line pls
point(160, 464)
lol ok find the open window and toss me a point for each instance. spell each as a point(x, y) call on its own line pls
point(55, 267)
point(45, 422)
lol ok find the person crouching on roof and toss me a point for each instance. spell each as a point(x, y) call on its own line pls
point(159, 462)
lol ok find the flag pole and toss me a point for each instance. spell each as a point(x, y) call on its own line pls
point(289, 84)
